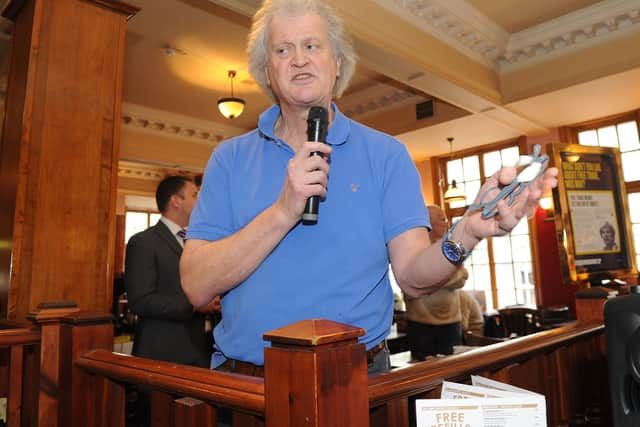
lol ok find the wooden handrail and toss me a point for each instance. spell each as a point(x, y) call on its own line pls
point(237, 391)
point(301, 368)
point(425, 376)
point(22, 343)
point(19, 336)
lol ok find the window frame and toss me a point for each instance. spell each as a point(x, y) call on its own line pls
point(572, 132)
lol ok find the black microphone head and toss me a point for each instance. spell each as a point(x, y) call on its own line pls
point(319, 114)
point(317, 124)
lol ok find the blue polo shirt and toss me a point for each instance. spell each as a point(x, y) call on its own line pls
point(336, 269)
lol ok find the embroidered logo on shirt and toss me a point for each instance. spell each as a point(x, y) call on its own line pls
point(354, 187)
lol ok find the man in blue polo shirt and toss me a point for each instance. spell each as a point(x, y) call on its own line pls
point(246, 241)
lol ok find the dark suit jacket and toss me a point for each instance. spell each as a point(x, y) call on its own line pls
point(167, 328)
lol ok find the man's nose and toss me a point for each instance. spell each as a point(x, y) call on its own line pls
point(299, 58)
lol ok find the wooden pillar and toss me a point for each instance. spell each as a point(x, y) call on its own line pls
point(67, 333)
point(59, 153)
point(316, 375)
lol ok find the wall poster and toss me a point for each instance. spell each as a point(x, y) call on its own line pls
point(592, 221)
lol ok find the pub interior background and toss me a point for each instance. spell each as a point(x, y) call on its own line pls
point(497, 77)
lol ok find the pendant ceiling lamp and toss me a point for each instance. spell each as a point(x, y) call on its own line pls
point(454, 193)
point(231, 107)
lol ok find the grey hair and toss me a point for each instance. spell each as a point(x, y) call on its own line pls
point(340, 40)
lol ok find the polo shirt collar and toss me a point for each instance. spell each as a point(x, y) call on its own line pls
point(338, 130)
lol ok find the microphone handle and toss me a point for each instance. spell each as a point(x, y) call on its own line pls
point(310, 214)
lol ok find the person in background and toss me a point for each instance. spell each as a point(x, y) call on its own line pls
point(435, 320)
point(246, 240)
point(471, 318)
point(168, 326)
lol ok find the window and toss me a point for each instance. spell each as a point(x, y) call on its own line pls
point(135, 222)
point(620, 133)
point(501, 266)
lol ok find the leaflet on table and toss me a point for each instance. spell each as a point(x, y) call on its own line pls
point(479, 381)
point(521, 411)
point(487, 403)
point(465, 391)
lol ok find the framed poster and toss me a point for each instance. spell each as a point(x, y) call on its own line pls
point(591, 213)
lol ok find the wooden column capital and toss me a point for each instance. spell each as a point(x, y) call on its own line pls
point(309, 369)
point(116, 6)
point(14, 7)
point(52, 312)
point(313, 333)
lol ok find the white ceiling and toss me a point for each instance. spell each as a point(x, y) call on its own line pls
point(179, 51)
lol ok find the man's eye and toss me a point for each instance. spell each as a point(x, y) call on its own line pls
point(282, 50)
point(312, 46)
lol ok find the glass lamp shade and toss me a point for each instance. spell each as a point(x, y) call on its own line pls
point(231, 107)
point(454, 194)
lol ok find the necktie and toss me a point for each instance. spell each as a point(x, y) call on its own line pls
point(182, 234)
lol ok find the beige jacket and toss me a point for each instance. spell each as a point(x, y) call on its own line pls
point(441, 307)
point(470, 314)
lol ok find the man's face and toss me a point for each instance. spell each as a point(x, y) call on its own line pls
point(188, 197)
point(301, 66)
point(439, 223)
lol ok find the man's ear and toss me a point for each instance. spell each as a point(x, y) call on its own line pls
point(174, 199)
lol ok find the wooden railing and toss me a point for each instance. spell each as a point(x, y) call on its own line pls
point(42, 386)
point(20, 346)
point(319, 379)
point(315, 375)
point(566, 364)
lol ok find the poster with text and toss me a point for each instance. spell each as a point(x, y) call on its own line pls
point(594, 221)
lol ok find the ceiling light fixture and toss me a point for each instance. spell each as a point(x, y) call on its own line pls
point(231, 107)
point(454, 193)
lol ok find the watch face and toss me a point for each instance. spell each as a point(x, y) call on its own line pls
point(452, 251)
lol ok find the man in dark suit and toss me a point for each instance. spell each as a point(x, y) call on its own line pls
point(168, 327)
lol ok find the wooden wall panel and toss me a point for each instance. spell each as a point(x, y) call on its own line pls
point(63, 246)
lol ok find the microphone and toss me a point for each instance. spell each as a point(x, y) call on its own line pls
point(317, 124)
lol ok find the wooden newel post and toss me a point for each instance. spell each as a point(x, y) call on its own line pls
point(316, 375)
point(66, 333)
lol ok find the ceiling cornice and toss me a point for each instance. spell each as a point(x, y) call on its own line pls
point(141, 171)
point(455, 23)
point(578, 30)
point(377, 99)
point(142, 119)
point(467, 30)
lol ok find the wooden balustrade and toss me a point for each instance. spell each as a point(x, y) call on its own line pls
point(315, 375)
point(21, 344)
point(566, 364)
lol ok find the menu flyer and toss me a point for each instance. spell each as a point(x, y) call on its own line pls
point(486, 403)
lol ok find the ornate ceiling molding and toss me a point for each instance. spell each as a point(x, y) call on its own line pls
point(143, 119)
point(464, 28)
point(150, 171)
point(455, 23)
point(377, 99)
point(140, 171)
point(581, 29)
